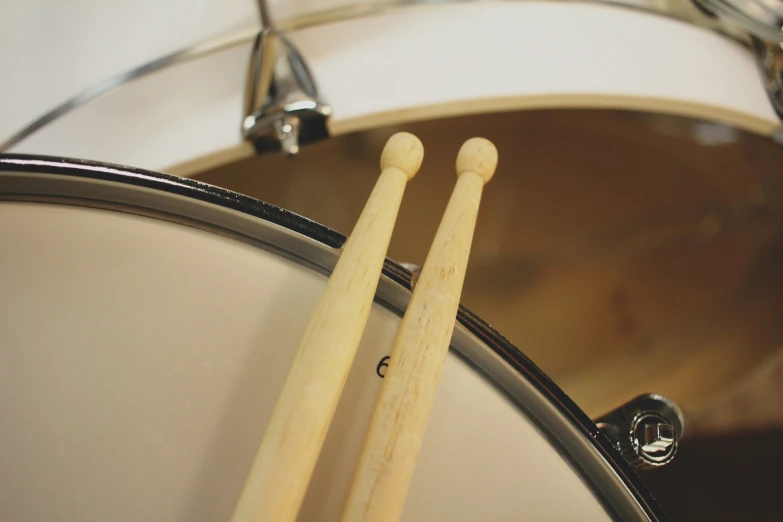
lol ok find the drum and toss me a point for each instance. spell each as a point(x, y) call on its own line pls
point(375, 63)
point(148, 324)
point(633, 239)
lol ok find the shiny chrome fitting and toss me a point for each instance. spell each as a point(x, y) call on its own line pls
point(282, 107)
point(759, 18)
point(646, 430)
point(770, 60)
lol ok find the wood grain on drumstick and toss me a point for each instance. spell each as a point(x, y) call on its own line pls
point(391, 449)
point(284, 464)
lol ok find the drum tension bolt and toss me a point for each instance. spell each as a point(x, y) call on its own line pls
point(645, 430)
point(654, 436)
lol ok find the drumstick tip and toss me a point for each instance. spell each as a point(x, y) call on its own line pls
point(478, 155)
point(403, 151)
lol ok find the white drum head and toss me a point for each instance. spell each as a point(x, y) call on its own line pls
point(149, 321)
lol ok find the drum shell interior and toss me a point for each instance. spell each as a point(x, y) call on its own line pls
point(622, 251)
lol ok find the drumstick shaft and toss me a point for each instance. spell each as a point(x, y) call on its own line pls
point(288, 453)
point(392, 446)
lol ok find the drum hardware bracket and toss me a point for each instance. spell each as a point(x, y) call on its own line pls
point(756, 18)
point(770, 62)
point(645, 430)
point(762, 24)
point(283, 109)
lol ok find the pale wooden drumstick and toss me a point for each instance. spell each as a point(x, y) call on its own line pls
point(391, 449)
point(284, 464)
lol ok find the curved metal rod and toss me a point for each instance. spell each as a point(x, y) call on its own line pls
point(183, 55)
point(299, 22)
point(263, 14)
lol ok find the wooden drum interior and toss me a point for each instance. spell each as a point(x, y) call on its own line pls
point(623, 252)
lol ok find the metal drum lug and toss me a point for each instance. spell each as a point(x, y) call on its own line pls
point(646, 430)
point(283, 109)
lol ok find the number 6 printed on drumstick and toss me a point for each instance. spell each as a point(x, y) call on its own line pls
point(392, 445)
point(285, 461)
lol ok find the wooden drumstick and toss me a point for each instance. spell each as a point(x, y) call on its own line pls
point(287, 456)
point(391, 449)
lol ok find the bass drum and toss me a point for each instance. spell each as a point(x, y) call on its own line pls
point(148, 323)
point(631, 240)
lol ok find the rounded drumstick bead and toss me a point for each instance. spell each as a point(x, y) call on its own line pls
point(479, 156)
point(403, 151)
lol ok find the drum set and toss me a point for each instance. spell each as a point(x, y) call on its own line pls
point(183, 188)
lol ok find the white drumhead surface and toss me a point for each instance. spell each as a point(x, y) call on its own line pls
point(141, 359)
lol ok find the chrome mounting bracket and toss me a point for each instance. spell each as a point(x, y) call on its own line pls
point(762, 23)
point(283, 109)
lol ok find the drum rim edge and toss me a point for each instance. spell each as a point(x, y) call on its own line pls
point(494, 340)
